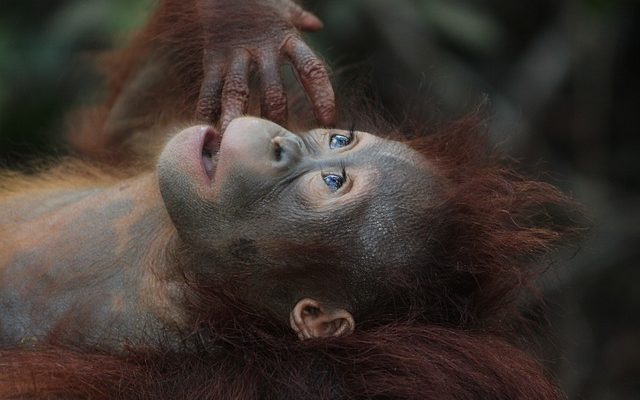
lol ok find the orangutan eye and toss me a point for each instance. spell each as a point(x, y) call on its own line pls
point(333, 181)
point(337, 141)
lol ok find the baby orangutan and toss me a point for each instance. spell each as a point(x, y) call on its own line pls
point(252, 260)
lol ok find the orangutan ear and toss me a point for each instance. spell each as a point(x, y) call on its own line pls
point(310, 319)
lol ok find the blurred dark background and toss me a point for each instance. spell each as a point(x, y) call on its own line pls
point(561, 79)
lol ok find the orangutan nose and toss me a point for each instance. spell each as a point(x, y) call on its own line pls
point(287, 149)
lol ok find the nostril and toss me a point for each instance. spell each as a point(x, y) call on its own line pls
point(278, 152)
point(277, 148)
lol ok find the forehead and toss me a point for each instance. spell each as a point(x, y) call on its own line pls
point(373, 151)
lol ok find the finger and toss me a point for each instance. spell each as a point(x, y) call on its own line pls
point(208, 106)
point(304, 20)
point(273, 101)
point(314, 78)
point(235, 92)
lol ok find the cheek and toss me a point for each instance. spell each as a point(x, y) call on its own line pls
point(315, 193)
point(312, 190)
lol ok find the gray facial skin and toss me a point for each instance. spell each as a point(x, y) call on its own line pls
point(269, 203)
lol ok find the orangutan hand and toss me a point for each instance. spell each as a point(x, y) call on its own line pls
point(258, 35)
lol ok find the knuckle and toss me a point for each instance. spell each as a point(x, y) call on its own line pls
point(206, 107)
point(324, 99)
point(325, 109)
point(288, 43)
point(274, 97)
point(208, 93)
point(236, 87)
point(312, 68)
point(276, 115)
point(203, 109)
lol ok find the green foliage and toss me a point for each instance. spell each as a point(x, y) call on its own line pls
point(45, 65)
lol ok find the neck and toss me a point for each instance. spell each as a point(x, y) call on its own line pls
point(95, 257)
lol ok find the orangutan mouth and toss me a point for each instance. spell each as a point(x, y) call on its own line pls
point(210, 147)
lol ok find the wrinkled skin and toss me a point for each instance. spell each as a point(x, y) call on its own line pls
point(231, 50)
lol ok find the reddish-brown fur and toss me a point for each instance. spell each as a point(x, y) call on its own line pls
point(400, 361)
point(447, 332)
